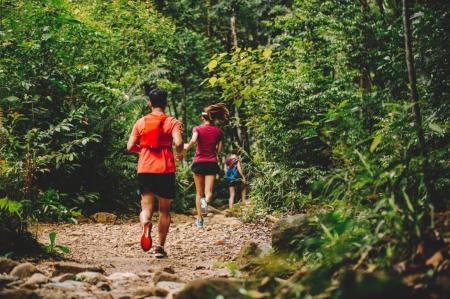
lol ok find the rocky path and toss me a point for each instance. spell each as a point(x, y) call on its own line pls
point(106, 260)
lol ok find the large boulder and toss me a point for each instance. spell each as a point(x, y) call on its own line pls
point(357, 284)
point(211, 288)
point(288, 229)
point(245, 259)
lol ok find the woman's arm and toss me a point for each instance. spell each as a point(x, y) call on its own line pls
point(239, 168)
point(193, 141)
point(219, 147)
point(225, 168)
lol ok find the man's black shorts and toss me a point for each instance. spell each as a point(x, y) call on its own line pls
point(205, 168)
point(160, 184)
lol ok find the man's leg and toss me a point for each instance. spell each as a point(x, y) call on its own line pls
point(164, 219)
point(147, 200)
point(209, 187)
point(199, 181)
point(146, 220)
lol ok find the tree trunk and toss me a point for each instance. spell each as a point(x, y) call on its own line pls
point(208, 18)
point(365, 82)
point(233, 29)
point(174, 107)
point(415, 99)
point(183, 107)
point(241, 130)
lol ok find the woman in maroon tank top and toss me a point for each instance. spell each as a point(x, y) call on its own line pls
point(209, 140)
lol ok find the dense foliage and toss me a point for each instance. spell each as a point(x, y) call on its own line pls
point(321, 102)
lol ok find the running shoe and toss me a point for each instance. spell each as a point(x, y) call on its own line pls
point(199, 222)
point(146, 238)
point(204, 206)
point(159, 252)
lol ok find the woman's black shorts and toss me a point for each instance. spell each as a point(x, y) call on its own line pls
point(205, 168)
point(160, 184)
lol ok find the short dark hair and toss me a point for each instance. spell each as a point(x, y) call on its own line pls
point(158, 98)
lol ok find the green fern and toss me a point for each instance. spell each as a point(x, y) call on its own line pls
point(11, 206)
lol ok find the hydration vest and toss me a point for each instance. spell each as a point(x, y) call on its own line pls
point(153, 132)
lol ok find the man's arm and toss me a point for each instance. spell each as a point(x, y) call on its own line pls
point(132, 145)
point(178, 142)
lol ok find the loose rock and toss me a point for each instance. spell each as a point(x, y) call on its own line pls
point(6, 279)
point(164, 276)
point(122, 276)
point(64, 277)
point(35, 280)
point(18, 294)
point(6, 265)
point(90, 277)
point(150, 291)
point(171, 286)
point(67, 285)
point(103, 217)
point(71, 267)
point(24, 270)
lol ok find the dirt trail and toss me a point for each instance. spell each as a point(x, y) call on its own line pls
point(192, 252)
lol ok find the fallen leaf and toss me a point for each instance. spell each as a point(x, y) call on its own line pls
point(435, 260)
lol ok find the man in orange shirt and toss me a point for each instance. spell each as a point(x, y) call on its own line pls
point(152, 137)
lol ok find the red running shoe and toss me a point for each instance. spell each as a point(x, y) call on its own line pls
point(146, 238)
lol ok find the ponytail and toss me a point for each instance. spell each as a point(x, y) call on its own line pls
point(217, 111)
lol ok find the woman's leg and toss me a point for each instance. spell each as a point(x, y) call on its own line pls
point(147, 200)
point(199, 181)
point(209, 187)
point(243, 192)
point(232, 190)
point(164, 219)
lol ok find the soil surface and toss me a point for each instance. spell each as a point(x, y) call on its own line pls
point(192, 252)
point(106, 260)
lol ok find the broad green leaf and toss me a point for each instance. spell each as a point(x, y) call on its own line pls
point(408, 200)
point(376, 140)
point(364, 162)
point(12, 206)
point(437, 128)
point(267, 53)
point(308, 122)
point(212, 65)
point(63, 248)
point(212, 81)
point(238, 102)
point(52, 237)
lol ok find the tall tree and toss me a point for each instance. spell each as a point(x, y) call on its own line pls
point(415, 97)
